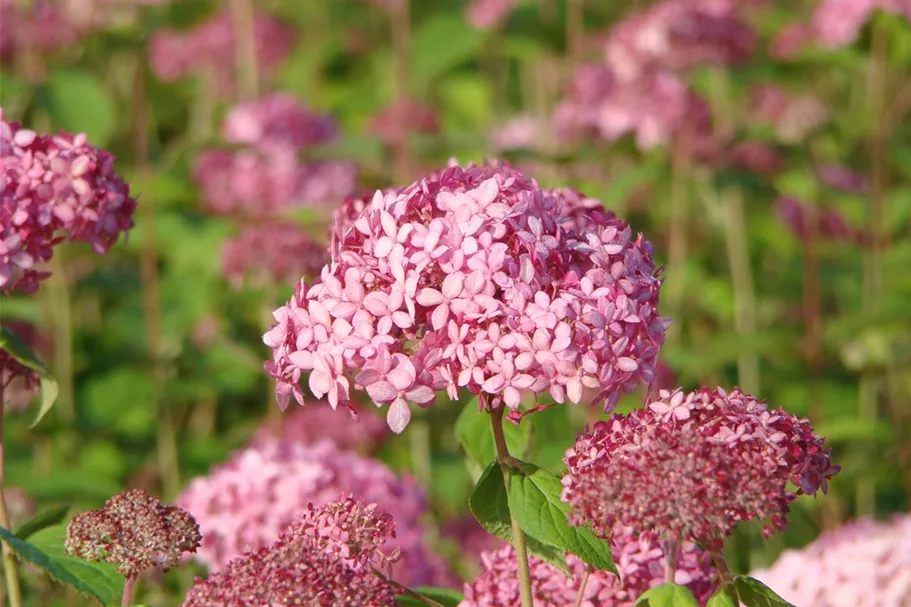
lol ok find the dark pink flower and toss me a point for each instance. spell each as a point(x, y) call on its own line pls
point(41, 27)
point(489, 14)
point(396, 122)
point(800, 217)
point(692, 466)
point(324, 558)
point(271, 253)
point(755, 156)
point(842, 178)
point(639, 560)
point(54, 188)
point(277, 121)
point(473, 278)
point(19, 383)
point(134, 531)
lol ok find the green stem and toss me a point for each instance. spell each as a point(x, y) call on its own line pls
point(62, 321)
point(419, 442)
point(496, 418)
point(9, 559)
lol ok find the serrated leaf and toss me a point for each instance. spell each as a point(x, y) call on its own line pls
point(10, 342)
point(88, 578)
point(489, 504)
point(42, 520)
point(722, 598)
point(667, 595)
point(754, 593)
point(443, 596)
point(534, 500)
point(475, 433)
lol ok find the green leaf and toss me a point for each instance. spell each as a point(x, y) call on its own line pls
point(667, 595)
point(722, 598)
point(78, 103)
point(94, 580)
point(442, 42)
point(443, 596)
point(754, 593)
point(490, 505)
point(42, 520)
point(10, 342)
point(475, 433)
point(534, 499)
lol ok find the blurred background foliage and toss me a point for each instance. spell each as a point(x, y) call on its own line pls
point(159, 357)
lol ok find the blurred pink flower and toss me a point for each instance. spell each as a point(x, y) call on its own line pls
point(791, 40)
point(397, 121)
point(798, 215)
point(472, 278)
point(755, 156)
point(862, 564)
point(323, 558)
point(693, 466)
point(840, 177)
point(42, 27)
point(639, 560)
point(270, 254)
point(54, 188)
point(794, 117)
point(837, 23)
point(209, 48)
point(277, 121)
point(489, 14)
point(519, 132)
point(315, 422)
point(246, 503)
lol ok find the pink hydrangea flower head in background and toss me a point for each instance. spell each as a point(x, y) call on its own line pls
point(209, 48)
point(54, 188)
point(837, 23)
point(865, 563)
point(692, 466)
point(43, 27)
point(639, 561)
point(678, 35)
point(324, 558)
point(134, 531)
point(794, 117)
point(275, 121)
point(271, 254)
point(472, 278)
point(800, 217)
point(396, 122)
point(315, 422)
point(489, 14)
point(520, 132)
point(247, 502)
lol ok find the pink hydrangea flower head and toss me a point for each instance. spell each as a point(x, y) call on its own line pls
point(277, 120)
point(134, 531)
point(519, 132)
point(678, 35)
point(865, 563)
point(54, 188)
point(489, 14)
point(472, 278)
point(271, 253)
point(315, 422)
point(639, 560)
point(42, 27)
point(794, 117)
point(396, 122)
point(209, 48)
point(837, 23)
point(692, 466)
point(325, 558)
point(247, 502)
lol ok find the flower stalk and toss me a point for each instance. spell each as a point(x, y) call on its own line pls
point(503, 457)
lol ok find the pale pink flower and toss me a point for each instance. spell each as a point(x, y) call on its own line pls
point(316, 422)
point(837, 23)
point(277, 120)
point(444, 284)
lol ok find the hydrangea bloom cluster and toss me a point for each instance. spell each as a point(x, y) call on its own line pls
point(691, 466)
point(271, 253)
point(246, 503)
point(267, 175)
point(325, 558)
point(679, 35)
point(639, 561)
point(798, 216)
point(311, 424)
point(54, 188)
point(41, 27)
point(837, 23)
point(473, 278)
point(862, 564)
point(793, 117)
point(134, 531)
point(209, 48)
point(396, 122)
point(519, 132)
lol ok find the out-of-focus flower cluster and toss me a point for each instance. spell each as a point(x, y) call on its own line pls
point(42, 26)
point(134, 531)
point(473, 278)
point(837, 23)
point(862, 564)
point(271, 253)
point(396, 122)
point(489, 14)
point(209, 49)
point(315, 422)
point(54, 188)
point(805, 221)
point(639, 560)
point(247, 502)
point(692, 466)
point(324, 558)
